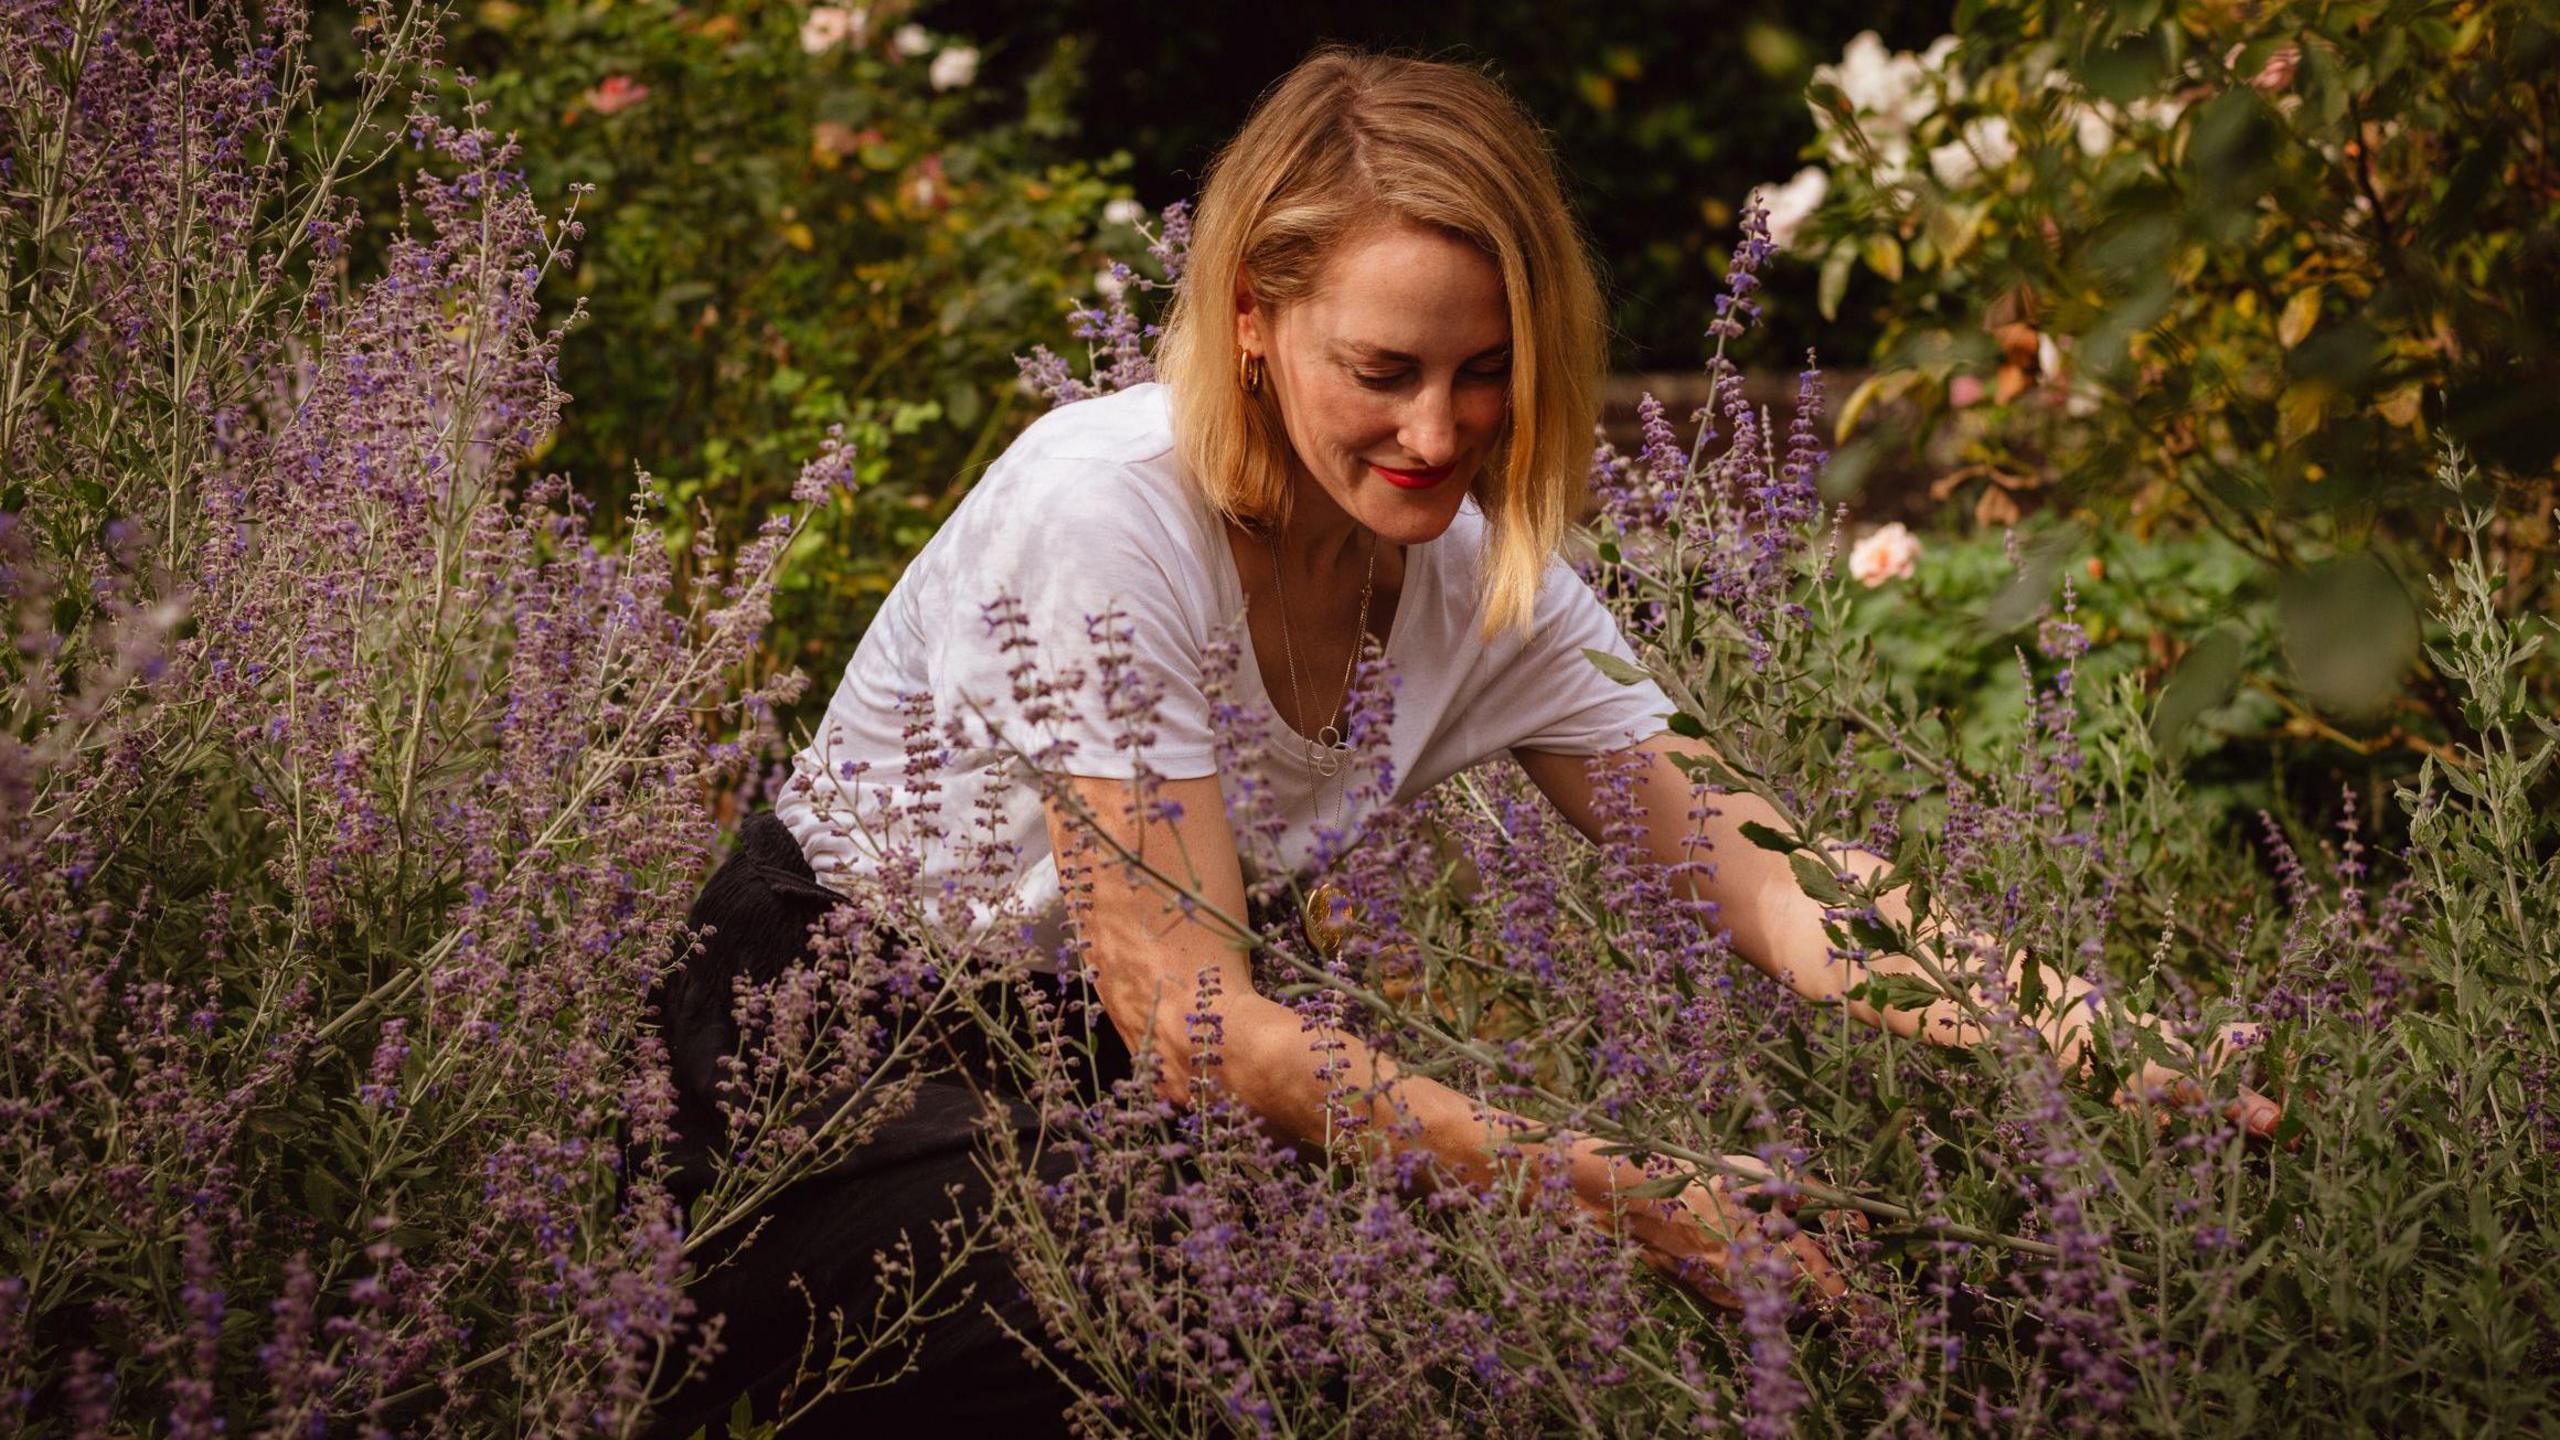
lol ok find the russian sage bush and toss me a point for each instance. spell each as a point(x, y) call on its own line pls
point(354, 787)
point(2043, 1249)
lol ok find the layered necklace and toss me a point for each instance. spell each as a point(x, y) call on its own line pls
point(1327, 915)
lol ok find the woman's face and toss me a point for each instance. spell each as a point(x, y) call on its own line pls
point(1393, 378)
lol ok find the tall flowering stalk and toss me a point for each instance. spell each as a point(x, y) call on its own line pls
point(355, 786)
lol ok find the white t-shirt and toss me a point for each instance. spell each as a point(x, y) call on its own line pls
point(1092, 510)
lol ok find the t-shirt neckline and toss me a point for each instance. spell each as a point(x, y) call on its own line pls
point(1415, 558)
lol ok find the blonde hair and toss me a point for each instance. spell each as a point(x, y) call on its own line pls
point(1344, 142)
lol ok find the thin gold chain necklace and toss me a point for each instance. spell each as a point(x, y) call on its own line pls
point(1327, 913)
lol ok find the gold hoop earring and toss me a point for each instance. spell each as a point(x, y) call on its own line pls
point(1249, 371)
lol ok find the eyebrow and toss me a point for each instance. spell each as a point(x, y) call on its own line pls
point(1366, 351)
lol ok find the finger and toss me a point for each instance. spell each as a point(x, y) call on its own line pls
point(2234, 1040)
point(2256, 1113)
point(2159, 1091)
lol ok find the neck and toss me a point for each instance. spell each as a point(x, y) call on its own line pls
point(1319, 538)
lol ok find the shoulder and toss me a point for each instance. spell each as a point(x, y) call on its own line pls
point(1132, 427)
point(1098, 466)
point(1091, 497)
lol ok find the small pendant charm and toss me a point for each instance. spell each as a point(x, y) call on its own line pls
point(1328, 752)
point(1329, 917)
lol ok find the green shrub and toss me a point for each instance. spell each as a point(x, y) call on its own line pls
point(2207, 268)
point(795, 220)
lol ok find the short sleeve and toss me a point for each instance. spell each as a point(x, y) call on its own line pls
point(1549, 696)
point(1075, 628)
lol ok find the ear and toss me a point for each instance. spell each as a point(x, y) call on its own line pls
point(1250, 331)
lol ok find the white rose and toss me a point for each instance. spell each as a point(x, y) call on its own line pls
point(1123, 211)
point(1792, 203)
point(1888, 553)
point(1890, 92)
point(2156, 112)
point(911, 41)
point(1108, 281)
point(831, 25)
point(2089, 125)
point(1864, 74)
point(953, 68)
point(1985, 146)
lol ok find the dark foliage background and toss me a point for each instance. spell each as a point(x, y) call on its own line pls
point(1666, 113)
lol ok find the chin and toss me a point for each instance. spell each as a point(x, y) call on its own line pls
point(1406, 518)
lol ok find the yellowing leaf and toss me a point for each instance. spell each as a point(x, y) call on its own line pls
point(1883, 255)
point(1868, 392)
point(2300, 411)
point(799, 235)
point(2300, 314)
point(2401, 406)
point(1954, 228)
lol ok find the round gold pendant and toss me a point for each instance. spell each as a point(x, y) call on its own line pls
point(1329, 917)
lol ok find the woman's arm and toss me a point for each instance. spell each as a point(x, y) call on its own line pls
point(1152, 944)
point(1779, 929)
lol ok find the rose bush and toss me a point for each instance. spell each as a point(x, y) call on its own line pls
point(2206, 269)
point(801, 217)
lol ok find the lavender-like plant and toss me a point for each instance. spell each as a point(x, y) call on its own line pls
point(2051, 1246)
point(355, 786)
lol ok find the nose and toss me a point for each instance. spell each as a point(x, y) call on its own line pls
point(1429, 432)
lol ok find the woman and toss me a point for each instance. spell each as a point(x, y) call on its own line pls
point(1379, 383)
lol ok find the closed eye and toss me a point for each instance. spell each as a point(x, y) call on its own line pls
point(1390, 379)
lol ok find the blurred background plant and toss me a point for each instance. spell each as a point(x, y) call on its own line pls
point(802, 217)
point(1662, 116)
point(2209, 277)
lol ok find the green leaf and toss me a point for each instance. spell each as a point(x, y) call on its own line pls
point(1616, 667)
point(1891, 1130)
point(1686, 725)
point(1835, 278)
point(2206, 678)
point(1816, 880)
point(1876, 935)
point(1664, 1188)
point(1892, 990)
point(2156, 1051)
point(1767, 838)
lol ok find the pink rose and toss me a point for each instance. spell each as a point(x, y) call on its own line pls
point(1890, 552)
point(616, 93)
point(2277, 73)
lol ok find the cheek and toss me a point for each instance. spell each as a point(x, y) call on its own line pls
point(1485, 405)
point(1355, 418)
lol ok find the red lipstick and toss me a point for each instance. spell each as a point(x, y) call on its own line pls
point(1415, 479)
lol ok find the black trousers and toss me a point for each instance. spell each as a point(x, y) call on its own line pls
point(969, 1373)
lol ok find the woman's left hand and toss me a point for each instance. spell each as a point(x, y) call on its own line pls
point(2256, 1113)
